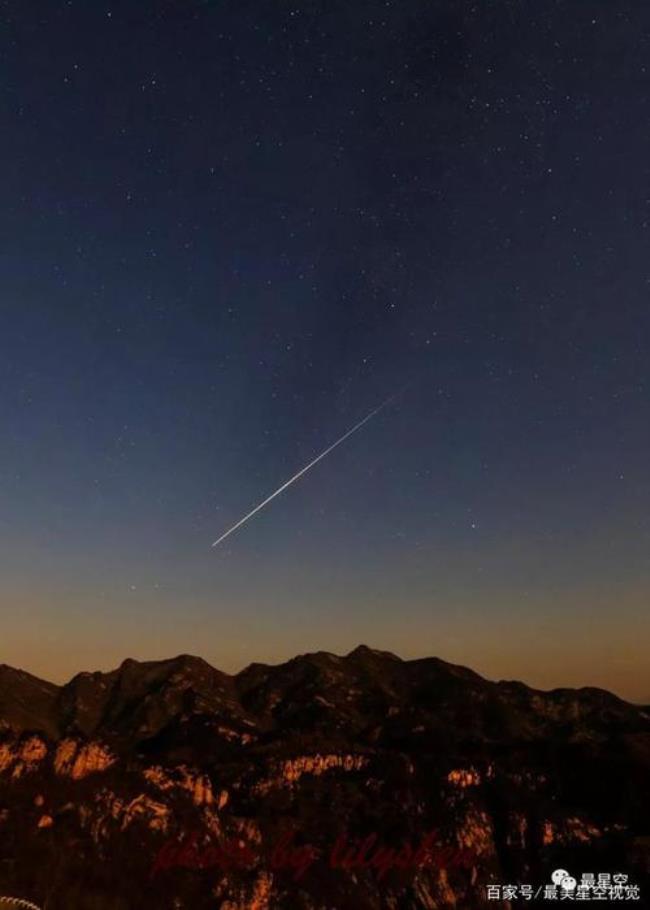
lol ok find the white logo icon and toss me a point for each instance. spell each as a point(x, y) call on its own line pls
point(562, 878)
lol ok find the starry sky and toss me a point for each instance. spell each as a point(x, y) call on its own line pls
point(230, 229)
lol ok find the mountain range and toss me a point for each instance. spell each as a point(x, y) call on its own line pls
point(355, 782)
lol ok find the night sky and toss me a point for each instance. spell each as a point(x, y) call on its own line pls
point(228, 231)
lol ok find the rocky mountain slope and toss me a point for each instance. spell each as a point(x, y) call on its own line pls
point(360, 782)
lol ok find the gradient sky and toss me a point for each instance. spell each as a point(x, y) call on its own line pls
point(230, 229)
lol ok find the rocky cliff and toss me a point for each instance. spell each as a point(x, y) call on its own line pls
point(360, 782)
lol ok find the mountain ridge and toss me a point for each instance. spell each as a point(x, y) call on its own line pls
point(360, 649)
point(101, 774)
point(133, 705)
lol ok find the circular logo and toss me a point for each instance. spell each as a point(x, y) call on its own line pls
point(558, 875)
point(560, 878)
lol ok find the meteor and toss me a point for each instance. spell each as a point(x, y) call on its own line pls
point(302, 471)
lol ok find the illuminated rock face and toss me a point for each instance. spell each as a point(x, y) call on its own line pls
point(22, 754)
point(77, 760)
point(173, 786)
point(182, 778)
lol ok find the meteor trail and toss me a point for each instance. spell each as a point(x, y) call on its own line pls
point(304, 470)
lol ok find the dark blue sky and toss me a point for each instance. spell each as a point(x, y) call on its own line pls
point(228, 231)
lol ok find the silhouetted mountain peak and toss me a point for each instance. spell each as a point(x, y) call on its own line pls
point(313, 692)
point(364, 652)
point(26, 701)
point(109, 766)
